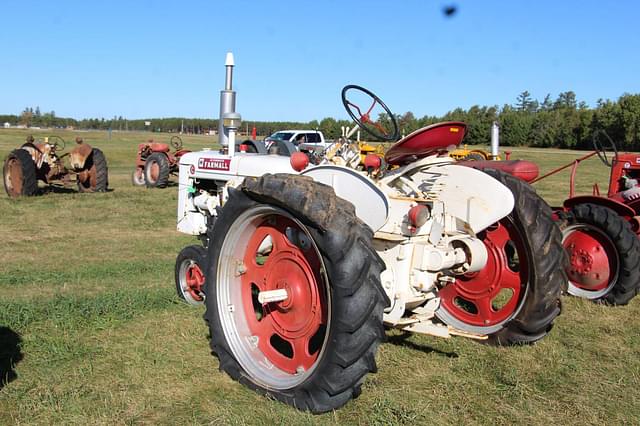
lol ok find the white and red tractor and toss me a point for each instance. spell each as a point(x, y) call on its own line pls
point(302, 267)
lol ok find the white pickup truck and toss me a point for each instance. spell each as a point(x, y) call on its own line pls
point(303, 140)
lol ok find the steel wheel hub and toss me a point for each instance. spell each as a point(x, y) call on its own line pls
point(593, 261)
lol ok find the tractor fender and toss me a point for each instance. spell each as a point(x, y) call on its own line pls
point(372, 205)
point(618, 207)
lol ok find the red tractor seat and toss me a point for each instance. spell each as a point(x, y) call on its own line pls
point(426, 141)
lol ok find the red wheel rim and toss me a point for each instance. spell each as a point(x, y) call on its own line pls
point(491, 296)
point(290, 332)
point(592, 258)
point(194, 279)
point(154, 171)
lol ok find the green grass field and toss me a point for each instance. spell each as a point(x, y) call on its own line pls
point(89, 314)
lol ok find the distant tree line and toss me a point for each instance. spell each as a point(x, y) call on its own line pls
point(562, 122)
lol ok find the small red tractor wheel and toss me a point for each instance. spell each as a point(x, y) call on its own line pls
point(604, 255)
point(19, 173)
point(189, 273)
point(516, 297)
point(295, 303)
point(137, 177)
point(156, 170)
point(95, 176)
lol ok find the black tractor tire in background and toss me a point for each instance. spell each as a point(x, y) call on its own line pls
point(157, 170)
point(19, 173)
point(191, 265)
point(354, 293)
point(98, 179)
point(622, 242)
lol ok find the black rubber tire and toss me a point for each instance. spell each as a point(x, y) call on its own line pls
point(473, 156)
point(353, 269)
point(197, 254)
point(625, 242)
point(98, 172)
point(28, 169)
point(137, 177)
point(547, 261)
point(163, 174)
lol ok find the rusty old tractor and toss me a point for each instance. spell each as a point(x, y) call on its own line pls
point(41, 161)
point(301, 266)
point(155, 162)
point(600, 232)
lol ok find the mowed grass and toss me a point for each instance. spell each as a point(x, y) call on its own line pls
point(87, 290)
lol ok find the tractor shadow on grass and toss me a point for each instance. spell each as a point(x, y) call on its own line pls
point(401, 340)
point(10, 355)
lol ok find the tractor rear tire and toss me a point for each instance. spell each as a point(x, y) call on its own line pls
point(526, 261)
point(597, 237)
point(189, 273)
point(19, 173)
point(156, 170)
point(137, 177)
point(98, 178)
point(312, 349)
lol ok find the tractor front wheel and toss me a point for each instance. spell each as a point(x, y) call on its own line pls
point(19, 173)
point(516, 297)
point(95, 177)
point(294, 300)
point(156, 170)
point(189, 273)
point(137, 177)
point(604, 255)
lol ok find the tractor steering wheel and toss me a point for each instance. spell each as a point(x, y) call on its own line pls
point(602, 148)
point(363, 119)
point(176, 142)
point(57, 143)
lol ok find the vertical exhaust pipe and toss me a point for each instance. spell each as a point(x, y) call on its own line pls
point(495, 140)
point(227, 100)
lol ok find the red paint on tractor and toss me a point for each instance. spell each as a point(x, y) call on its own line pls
point(372, 162)
point(426, 141)
point(522, 169)
point(591, 258)
point(299, 161)
point(195, 282)
point(474, 298)
point(284, 329)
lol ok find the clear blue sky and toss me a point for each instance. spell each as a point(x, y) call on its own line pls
point(160, 59)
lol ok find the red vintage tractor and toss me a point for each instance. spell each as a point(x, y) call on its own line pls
point(600, 233)
point(42, 161)
point(155, 162)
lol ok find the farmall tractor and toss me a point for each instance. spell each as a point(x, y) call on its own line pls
point(600, 233)
point(155, 162)
point(303, 266)
point(40, 161)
